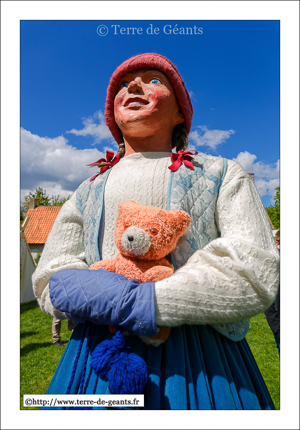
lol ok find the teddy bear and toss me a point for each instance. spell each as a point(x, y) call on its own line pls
point(144, 236)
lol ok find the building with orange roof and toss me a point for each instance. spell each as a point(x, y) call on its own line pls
point(39, 224)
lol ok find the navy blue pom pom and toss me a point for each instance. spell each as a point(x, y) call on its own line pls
point(106, 353)
point(113, 361)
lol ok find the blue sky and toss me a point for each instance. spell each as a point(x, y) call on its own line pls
point(231, 70)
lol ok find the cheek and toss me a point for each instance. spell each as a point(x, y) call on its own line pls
point(118, 102)
point(118, 115)
point(160, 96)
point(116, 106)
point(163, 101)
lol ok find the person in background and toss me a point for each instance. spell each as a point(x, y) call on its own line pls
point(56, 327)
point(273, 312)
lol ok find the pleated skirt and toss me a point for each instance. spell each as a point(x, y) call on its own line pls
point(197, 368)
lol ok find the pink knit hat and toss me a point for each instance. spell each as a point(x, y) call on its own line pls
point(153, 61)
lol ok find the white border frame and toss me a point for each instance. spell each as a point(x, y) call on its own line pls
point(288, 14)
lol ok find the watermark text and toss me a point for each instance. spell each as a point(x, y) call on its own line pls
point(83, 400)
point(151, 30)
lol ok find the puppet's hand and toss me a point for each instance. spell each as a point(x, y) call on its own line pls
point(158, 338)
point(104, 298)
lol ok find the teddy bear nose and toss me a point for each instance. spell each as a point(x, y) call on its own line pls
point(130, 238)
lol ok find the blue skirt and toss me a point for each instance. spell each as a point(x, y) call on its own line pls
point(196, 368)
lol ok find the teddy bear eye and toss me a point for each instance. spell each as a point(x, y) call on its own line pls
point(126, 225)
point(153, 231)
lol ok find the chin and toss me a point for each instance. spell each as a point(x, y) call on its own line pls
point(139, 127)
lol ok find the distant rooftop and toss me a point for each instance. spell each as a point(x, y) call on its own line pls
point(40, 222)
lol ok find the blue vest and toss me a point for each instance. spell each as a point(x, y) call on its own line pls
point(194, 191)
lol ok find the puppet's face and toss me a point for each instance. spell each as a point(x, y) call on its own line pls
point(145, 103)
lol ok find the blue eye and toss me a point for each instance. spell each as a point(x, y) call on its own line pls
point(124, 84)
point(155, 81)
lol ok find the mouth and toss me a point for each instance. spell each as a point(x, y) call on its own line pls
point(135, 102)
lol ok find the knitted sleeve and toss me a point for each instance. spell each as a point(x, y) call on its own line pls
point(235, 276)
point(64, 249)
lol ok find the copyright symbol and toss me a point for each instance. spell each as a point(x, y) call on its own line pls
point(102, 30)
point(28, 402)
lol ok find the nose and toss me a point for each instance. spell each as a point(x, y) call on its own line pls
point(135, 85)
point(130, 238)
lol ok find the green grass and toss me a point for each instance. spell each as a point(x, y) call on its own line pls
point(263, 346)
point(39, 358)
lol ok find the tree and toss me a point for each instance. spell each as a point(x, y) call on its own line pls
point(40, 195)
point(42, 200)
point(58, 201)
point(22, 214)
point(274, 211)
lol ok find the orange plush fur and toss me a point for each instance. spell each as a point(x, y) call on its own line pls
point(145, 235)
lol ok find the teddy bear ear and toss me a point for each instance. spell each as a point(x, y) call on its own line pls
point(179, 220)
point(126, 206)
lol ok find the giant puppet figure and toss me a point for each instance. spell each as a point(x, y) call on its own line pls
point(226, 263)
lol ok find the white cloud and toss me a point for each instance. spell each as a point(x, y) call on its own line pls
point(94, 126)
point(192, 95)
point(202, 136)
point(53, 164)
point(190, 147)
point(266, 187)
point(266, 176)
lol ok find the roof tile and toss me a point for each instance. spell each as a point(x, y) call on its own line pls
point(40, 222)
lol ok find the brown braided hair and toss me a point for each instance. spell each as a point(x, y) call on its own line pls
point(121, 151)
point(180, 137)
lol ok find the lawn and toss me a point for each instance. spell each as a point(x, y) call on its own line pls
point(39, 358)
point(263, 346)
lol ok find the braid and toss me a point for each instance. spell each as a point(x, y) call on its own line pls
point(121, 151)
point(180, 137)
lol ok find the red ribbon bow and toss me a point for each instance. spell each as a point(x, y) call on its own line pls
point(182, 157)
point(110, 161)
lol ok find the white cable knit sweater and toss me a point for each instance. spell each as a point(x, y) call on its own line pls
point(233, 278)
point(143, 177)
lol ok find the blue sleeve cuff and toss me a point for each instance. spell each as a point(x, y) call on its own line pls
point(141, 306)
point(104, 298)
